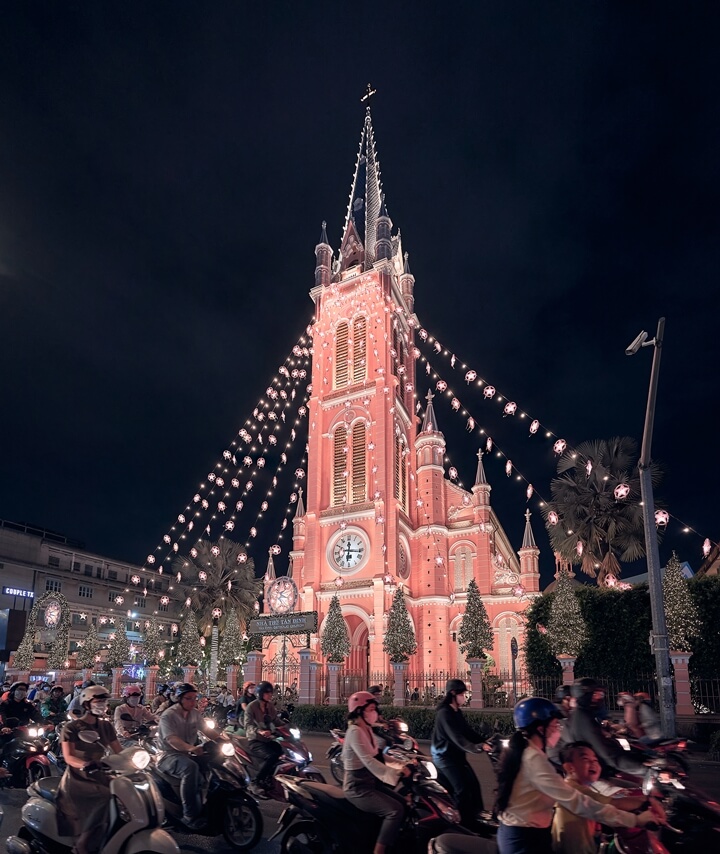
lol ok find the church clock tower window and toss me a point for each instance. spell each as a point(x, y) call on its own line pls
point(349, 465)
point(340, 472)
point(341, 356)
point(359, 491)
point(400, 473)
point(359, 350)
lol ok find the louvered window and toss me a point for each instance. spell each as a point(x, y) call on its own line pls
point(340, 463)
point(397, 468)
point(341, 356)
point(359, 350)
point(359, 489)
point(403, 479)
point(395, 354)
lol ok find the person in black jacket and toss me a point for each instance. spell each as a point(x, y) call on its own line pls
point(583, 725)
point(452, 738)
point(16, 710)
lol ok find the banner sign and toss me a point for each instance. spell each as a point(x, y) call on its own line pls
point(17, 591)
point(301, 623)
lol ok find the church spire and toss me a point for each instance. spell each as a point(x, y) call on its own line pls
point(270, 571)
point(528, 538)
point(480, 479)
point(300, 511)
point(365, 202)
point(429, 424)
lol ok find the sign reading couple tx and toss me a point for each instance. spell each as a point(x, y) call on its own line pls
point(300, 623)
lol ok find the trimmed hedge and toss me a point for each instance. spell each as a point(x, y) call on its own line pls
point(420, 720)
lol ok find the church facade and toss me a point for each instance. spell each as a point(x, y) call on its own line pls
point(380, 509)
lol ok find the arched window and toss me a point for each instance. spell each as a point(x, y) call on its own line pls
point(340, 462)
point(400, 473)
point(507, 628)
point(359, 481)
point(462, 560)
point(341, 356)
point(359, 350)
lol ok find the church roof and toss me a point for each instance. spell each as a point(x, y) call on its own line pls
point(429, 424)
point(270, 571)
point(323, 234)
point(480, 479)
point(528, 538)
point(366, 196)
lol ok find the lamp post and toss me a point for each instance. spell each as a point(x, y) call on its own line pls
point(657, 606)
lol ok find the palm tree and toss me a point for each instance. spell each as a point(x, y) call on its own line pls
point(218, 577)
point(595, 518)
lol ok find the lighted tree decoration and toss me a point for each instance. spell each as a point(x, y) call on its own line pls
point(399, 641)
point(566, 629)
point(152, 643)
point(595, 518)
point(476, 635)
point(119, 649)
point(85, 656)
point(335, 643)
point(233, 649)
point(681, 612)
point(189, 650)
point(25, 656)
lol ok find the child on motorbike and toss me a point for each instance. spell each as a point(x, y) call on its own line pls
point(364, 771)
point(573, 834)
point(529, 787)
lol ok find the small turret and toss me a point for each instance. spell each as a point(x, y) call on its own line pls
point(383, 244)
point(481, 488)
point(407, 284)
point(529, 554)
point(323, 259)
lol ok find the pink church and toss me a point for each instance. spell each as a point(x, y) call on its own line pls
point(379, 509)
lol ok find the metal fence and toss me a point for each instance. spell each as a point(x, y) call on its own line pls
point(705, 695)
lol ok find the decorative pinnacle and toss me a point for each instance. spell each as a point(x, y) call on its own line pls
point(429, 396)
point(369, 92)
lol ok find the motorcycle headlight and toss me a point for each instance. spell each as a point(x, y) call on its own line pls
point(504, 742)
point(624, 743)
point(140, 759)
point(295, 733)
point(402, 726)
point(295, 756)
point(227, 749)
point(649, 783)
point(430, 768)
point(209, 723)
point(33, 733)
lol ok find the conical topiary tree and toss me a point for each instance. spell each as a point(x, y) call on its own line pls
point(566, 628)
point(119, 649)
point(233, 649)
point(476, 635)
point(189, 651)
point(335, 643)
point(681, 612)
point(25, 656)
point(59, 650)
point(399, 641)
point(152, 642)
point(85, 656)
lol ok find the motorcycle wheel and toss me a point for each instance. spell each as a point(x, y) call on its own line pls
point(337, 769)
point(302, 838)
point(243, 824)
point(36, 771)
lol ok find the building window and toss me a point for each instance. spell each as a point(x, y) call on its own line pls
point(52, 585)
point(139, 601)
point(400, 474)
point(462, 560)
point(112, 575)
point(76, 566)
point(359, 489)
point(359, 350)
point(85, 591)
point(162, 607)
point(341, 356)
point(111, 595)
point(53, 560)
point(76, 621)
point(98, 572)
point(130, 626)
point(340, 463)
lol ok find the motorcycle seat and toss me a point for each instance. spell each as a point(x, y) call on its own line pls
point(47, 787)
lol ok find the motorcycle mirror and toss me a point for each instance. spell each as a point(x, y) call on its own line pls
point(88, 736)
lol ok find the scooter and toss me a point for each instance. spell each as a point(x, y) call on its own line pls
point(136, 812)
point(295, 759)
point(228, 807)
point(394, 733)
point(24, 755)
point(320, 819)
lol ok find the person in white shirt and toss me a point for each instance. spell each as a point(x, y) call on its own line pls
point(529, 786)
point(130, 716)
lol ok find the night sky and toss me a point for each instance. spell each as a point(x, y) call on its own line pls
point(554, 169)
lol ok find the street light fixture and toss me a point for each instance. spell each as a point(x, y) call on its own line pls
point(657, 606)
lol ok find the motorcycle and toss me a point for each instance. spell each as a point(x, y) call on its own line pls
point(24, 755)
point(295, 759)
point(320, 819)
point(136, 812)
point(228, 808)
point(143, 735)
point(393, 734)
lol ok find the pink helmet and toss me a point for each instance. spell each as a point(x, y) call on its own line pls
point(359, 700)
point(129, 690)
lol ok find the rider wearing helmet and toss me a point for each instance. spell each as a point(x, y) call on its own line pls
point(260, 719)
point(54, 708)
point(583, 725)
point(16, 710)
point(177, 738)
point(363, 771)
point(83, 795)
point(131, 709)
point(529, 786)
point(648, 718)
point(75, 705)
point(452, 738)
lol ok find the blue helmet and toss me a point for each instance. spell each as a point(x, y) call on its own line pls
point(534, 710)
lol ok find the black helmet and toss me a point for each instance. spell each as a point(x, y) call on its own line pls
point(456, 685)
point(263, 688)
point(16, 685)
point(562, 693)
point(184, 688)
point(88, 683)
point(375, 690)
point(583, 690)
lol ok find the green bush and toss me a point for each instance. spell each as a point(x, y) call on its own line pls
point(715, 745)
point(420, 720)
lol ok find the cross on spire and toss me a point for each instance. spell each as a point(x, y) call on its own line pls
point(369, 92)
point(429, 396)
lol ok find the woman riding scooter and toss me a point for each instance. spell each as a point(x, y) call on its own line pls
point(364, 771)
point(83, 796)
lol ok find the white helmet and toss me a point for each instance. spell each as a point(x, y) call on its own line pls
point(94, 692)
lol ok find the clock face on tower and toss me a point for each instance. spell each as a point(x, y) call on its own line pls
point(348, 551)
point(282, 595)
point(52, 614)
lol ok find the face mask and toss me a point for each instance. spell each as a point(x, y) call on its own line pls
point(20, 694)
point(133, 701)
point(98, 708)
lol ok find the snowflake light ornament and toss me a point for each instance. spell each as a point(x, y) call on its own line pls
point(488, 445)
point(215, 551)
point(235, 483)
point(534, 427)
point(193, 552)
point(662, 517)
point(222, 507)
point(202, 575)
point(621, 491)
point(239, 506)
point(151, 558)
point(470, 376)
point(529, 491)
point(453, 473)
point(553, 517)
point(579, 548)
point(441, 385)
point(135, 579)
point(706, 547)
point(455, 404)
point(119, 600)
point(559, 446)
point(164, 600)
point(489, 392)
point(510, 408)
point(218, 482)
point(275, 550)
point(242, 558)
point(508, 468)
point(166, 539)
